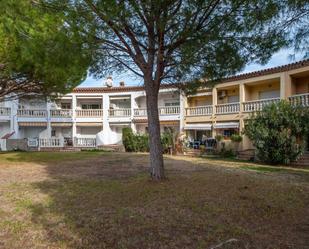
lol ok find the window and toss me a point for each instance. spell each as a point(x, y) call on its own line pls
point(228, 133)
point(91, 106)
point(233, 99)
point(53, 133)
point(172, 103)
point(269, 94)
point(65, 105)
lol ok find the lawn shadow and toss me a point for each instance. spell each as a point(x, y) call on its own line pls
point(108, 201)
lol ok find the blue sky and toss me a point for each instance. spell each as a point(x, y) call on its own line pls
point(280, 58)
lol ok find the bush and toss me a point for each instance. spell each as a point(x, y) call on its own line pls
point(140, 143)
point(236, 138)
point(219, 137)
point(278, 132)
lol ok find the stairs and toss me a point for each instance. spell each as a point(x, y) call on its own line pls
point(246, 155)
point(303, 160)
point(112, 148)
point(192, 152)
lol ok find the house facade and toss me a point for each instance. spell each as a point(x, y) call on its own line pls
point(90, 117)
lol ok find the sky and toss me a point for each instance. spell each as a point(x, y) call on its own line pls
point(282, 57)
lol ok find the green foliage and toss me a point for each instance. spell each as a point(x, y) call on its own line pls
point(140, 142)
point(39, 45)
point(236, 138)
point(167, 140)
point(134, 142)
point(219, 137)
point(226, 153)
point(278, 132)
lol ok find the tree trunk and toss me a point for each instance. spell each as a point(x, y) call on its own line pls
point(156, 152)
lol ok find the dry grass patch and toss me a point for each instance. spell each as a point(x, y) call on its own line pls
point(105, 200)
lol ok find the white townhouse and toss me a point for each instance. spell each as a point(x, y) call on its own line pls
point(95, 116)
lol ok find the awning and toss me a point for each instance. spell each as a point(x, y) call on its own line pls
point(199, 126)
point(61, 124)
point(35, 124)
point(92, 124)
point(225, 125)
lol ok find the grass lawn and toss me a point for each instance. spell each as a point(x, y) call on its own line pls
point(106, 200)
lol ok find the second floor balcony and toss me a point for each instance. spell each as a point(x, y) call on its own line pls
point(5, 111)
point(258, 105)
point(199, 110)
point(163, 111)
point(61, 113)
point(228, 108)
point(124, 112)
point(32, 113)
point(300, 99)
point(89, 113)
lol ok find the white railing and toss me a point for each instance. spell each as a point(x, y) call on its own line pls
point(169, 110)
point(51, 142)
point(258, 105)
point(84, 142)
point(5, 111)
point(126, 112)
point(89, 113)
point(140, 112)
point(61, 113)
point(300, 99)
point(32, 113)
point(199, 110)
point(227, 108)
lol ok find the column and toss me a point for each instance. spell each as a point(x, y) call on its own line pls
point(48, 107)
point(182, 113)
point(133, 106)
point(214, 103)
point(242, 97)
point(74, 105)
point(285, 86)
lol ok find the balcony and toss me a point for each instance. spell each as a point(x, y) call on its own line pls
point(5, 111)
point(199, 111)
point(126, 112)
point(89, 113)
point(61, 113)
point(229, 108)
point(32, 113)
point(163, 111)
point(300, 99)
point(170, 110)
point(258, 105)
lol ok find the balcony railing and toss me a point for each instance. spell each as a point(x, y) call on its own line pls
point(169, 110)
point(31, 113)
point(84, 142)
point(140, 112)
point(258, 105)
point(5, 111)
point(300, 99)
point(85, 113)
point(199, 110)
point(61, 113)
point(120, 112)
point(227, 108)
point(51, 142)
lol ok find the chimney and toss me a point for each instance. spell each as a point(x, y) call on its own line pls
point(109, 81)
point(121, 83)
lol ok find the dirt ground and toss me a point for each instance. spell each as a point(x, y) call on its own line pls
point(106, 200)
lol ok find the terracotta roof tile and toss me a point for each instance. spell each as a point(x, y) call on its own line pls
point(263, 72)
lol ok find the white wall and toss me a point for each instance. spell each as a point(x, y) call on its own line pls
point(4, 128)
point(30, 132)
point(87, 131)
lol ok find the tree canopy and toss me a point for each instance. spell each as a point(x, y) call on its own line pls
point(39, 53)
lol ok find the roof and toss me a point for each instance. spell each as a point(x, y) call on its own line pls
point(273, 70)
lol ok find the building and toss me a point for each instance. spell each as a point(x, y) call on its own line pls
point(90, 117)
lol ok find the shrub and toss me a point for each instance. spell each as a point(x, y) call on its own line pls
point(236, 138)
point(278, 132)
point(219, 137)
point(128, 139)
point(167, 140)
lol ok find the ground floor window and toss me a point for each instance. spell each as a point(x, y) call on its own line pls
point(228, 132)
